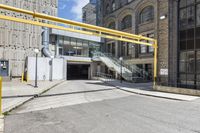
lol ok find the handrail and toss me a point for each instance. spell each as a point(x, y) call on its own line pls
point(125, 66)
point(104, 75)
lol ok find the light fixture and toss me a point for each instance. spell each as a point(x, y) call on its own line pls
point(36, 51)
point(163, 17)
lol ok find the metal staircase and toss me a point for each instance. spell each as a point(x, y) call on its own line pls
point(129, 73)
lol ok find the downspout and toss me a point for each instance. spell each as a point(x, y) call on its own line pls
point(45, 41)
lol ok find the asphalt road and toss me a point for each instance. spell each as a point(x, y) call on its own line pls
point(93, 107)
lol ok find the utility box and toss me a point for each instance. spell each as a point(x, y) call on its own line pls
point(4, 68)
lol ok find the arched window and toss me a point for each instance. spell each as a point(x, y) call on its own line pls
point(107, 8)
point(123, 2)
point(113, 5)
point(126, 22)
point(111, 25)
point(147, 14)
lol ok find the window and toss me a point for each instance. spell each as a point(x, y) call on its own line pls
point(123, 2)
point(147, 49)
point(113, 48)
point(124, 45)
point(150, 49)
point(198, 15)
point(184, 3)
point(143, 49)
point(126, 22)
point(147, 14)
point(111, 25)
point(130, 1)
point(107, 9)
point(84, 16)
point(189, 43)
point(113, 5)
point(130, 49)
point(187, 14)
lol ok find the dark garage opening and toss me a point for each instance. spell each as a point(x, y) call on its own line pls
point(77, 71)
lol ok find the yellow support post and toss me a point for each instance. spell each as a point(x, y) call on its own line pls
point(1, 95)
point(155, 62)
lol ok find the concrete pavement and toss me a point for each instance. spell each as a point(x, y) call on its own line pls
point(146, 89)
point(16, 93)
point(97, 107)
point(72, 93)
point(1, 124)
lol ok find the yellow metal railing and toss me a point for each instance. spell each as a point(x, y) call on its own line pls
point(78, 27)
point(93, 30)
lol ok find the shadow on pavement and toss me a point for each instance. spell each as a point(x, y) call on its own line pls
point(76, 92)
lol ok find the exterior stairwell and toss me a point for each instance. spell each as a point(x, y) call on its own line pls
point(129, 73)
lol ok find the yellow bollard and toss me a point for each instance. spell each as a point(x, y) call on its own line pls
point(0, 96)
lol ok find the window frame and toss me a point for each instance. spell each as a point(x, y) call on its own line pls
point(148, 9)
point(126, 22)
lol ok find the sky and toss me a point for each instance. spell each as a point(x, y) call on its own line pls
point(71, 9)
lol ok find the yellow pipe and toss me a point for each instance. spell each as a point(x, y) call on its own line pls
point(74, 23)
point(122, 38)
point(155, 62)
point(1, 95)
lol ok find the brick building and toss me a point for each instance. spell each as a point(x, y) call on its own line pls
point(184, 46)
point(17, 41)
point(174, 23)
point(137, 17)
point(89, 13)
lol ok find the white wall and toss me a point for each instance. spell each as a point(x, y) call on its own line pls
point(76, 35)
point(44, 68)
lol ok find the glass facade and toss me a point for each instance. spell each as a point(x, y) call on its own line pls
point(77, 47)
point(189, 44)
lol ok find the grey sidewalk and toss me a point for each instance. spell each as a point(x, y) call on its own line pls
point(16, 93)
point(1, 124)
point(147, 89)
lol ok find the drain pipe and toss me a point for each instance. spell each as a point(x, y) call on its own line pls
point(45, 41)
point(45, 49)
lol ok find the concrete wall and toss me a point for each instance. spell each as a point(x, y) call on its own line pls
point(17, 40)
point(44, 68)
point(77, 59)
point(75, 35)
point(177, 90)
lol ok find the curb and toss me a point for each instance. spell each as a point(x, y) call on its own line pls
point(31, 98)
point(139, 93)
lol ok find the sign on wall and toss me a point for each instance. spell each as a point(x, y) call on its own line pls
point(164, 72)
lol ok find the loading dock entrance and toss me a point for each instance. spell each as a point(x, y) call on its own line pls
point(77, 71)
